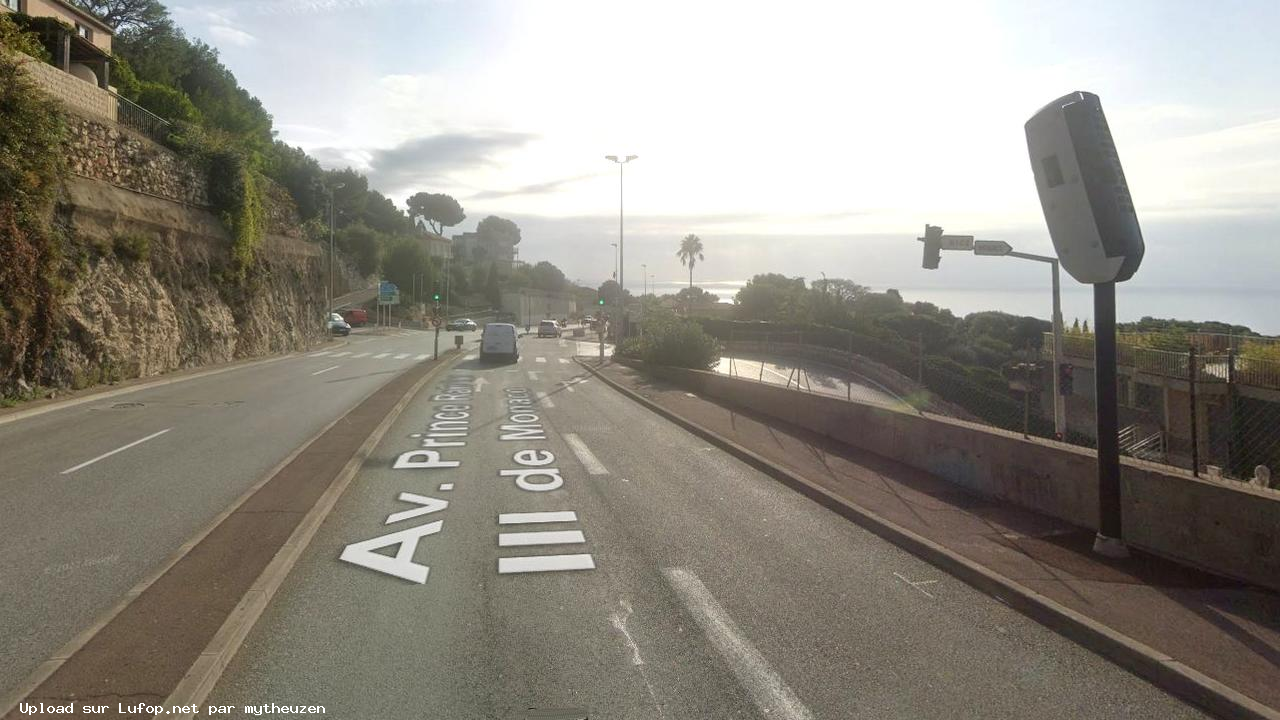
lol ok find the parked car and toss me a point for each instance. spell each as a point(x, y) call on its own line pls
point(548, 328)
point(338, 326)
point(461, 324)
point(499, 341)
point(356, 317)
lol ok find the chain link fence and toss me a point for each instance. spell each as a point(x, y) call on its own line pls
point(1207, 408)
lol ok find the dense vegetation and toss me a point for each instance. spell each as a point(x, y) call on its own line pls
point(31, 136)
point(667, 339)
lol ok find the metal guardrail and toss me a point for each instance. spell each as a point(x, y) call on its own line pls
point(132, 115)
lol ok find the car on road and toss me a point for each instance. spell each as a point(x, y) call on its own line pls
point(548, 328)
point(338, 326)
point(498, 341)
point(461, 324)
point(356, 317)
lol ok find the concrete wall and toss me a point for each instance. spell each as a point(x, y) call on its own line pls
point(75, 93)
point(530, 305)
point(1221, 526)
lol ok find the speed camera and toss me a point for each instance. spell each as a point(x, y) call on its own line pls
point(1082, 190)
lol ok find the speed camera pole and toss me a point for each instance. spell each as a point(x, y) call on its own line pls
point(1104, 364)
point(1094, 227)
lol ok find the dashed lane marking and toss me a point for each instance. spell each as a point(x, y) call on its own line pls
point(321, 372)
point(379, 356)
point(421, 357)
point(585, 456)
point(402, 356)
point(540, 359)
point(545, 399)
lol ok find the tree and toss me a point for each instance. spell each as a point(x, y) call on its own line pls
point(500, 230)
point(843, 291)
point(405, 259)
point(439, 210)
point(128, 15)
point(493, 286)
point(696, 297)
point(548, 277)
point(381, 214)
point(362, 245)
point(770, 297)
point(690, 252)
point(612, 293)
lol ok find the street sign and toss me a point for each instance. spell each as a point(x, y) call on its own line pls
point(392, 298)
point(956, 242)
point(991, 247)
point(437, 321)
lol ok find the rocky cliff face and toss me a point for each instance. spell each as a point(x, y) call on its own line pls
point(152, 293)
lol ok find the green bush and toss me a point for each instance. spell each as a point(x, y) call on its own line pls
point(17, 33)
point(167, 102)
point(676, 342)
point(132, 247)
point(235, 188)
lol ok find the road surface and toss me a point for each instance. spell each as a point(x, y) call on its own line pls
point(98, 495)
point(527, 538)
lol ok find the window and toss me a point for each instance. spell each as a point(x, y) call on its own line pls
point(84, 32)
point(11, 4)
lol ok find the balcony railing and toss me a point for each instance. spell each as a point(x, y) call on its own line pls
point(134, 116)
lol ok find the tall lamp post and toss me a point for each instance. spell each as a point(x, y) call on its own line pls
point(329, 293)
point(622, 258)
point(615, 261)
point(644, 276)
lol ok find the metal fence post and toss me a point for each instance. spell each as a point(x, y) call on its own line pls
point(1191, 385)
point(1232, 425)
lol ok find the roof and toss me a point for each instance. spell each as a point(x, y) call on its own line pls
point(80, 12)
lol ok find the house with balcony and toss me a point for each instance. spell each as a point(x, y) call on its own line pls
point(79, 41)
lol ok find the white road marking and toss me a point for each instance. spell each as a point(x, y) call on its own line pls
point(446, 486)
point(917, 585)
point(767, 689)
point(402, 356)
point(480, 382)
point(545, 399)
point(322, 353)
point(321, 372)
point(122, 448)
point(540, 359)
point(533, 374)
point(544, 537)
point(421, 357)
point(342, 354)
point(521, 518)
point(379, 356)
point(589, 460)
point(545, 563)
point(565, 361)
point(560, 342)
point(472, 356)
point(360, 355)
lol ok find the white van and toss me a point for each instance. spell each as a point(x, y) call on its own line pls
point(499, 341)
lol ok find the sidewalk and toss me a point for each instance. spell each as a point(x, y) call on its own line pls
point(1224, 630)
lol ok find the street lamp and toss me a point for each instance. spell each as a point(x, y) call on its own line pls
point(329, 295)
point(622, 262)
point(935, 241)
point(615, 261)
point(644, 275)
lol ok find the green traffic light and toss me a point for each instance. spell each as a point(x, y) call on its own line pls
point(436, 297)
point(601, 301)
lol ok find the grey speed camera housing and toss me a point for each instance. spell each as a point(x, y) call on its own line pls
point(1082, 190)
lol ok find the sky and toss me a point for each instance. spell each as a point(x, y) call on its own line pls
point(797, 137)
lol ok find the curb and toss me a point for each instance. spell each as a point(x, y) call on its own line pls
point(203, 676)
point(1146, 662)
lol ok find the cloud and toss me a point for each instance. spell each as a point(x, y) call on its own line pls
point(231, 36)
point(310, 7)
point(533, 189)
point(428, 160)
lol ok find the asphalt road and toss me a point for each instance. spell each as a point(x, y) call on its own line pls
point(662, 579)
point(97, 495)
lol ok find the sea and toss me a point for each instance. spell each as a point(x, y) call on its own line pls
point(1258, 309)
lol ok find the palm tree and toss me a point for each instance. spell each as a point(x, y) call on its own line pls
point(690, 253)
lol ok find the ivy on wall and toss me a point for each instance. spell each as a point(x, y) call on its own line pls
point(32, 132)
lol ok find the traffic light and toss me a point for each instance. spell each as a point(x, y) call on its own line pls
point(600, 301)
point(932, 246)
point(1066, 379)
point(436, 297)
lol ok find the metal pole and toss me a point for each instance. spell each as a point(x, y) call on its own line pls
point(622, 262)
point(1191, 386)
point(1109, 540)
point(1059, 401)
point(329, 293)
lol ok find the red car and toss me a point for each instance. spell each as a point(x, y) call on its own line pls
point(356, 317)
